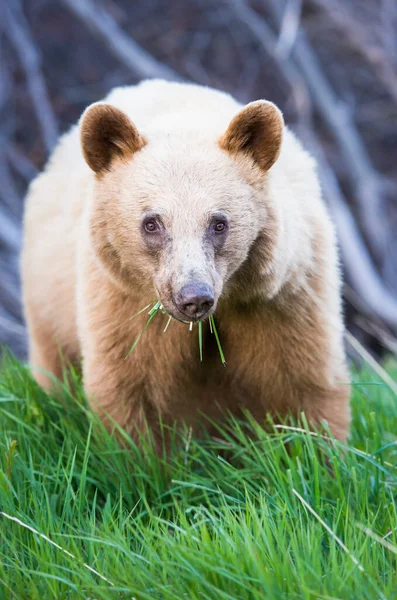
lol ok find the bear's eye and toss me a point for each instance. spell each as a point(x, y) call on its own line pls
point(219, 226)
point(151, 226)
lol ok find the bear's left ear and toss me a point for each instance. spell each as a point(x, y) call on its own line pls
point(105, 134)
point(257, 130)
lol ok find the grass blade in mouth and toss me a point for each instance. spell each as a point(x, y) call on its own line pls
point(168, 322)
point(141, 311)
point(153, 312)
point(156, 307)
point(213, 327)
point(200, 338)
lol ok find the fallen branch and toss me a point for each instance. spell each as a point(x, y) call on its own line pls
point(268, 41)
point(141, 63)
point(21, 163)
point(360, 270)
point(289, 28)
point(10, 200)
point(364, 179)
point(378, 332)
point(357, 36)
point(375, 366)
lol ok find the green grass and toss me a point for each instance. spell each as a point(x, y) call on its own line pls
point(236, 517)
point(155, 307)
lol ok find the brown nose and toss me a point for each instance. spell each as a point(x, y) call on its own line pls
point(194, 300)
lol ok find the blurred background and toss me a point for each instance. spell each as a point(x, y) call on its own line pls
point(331, 66)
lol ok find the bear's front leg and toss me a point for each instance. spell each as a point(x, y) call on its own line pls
point(330, 408)
point(116, 387)
point(117, 393)
point(291, 364)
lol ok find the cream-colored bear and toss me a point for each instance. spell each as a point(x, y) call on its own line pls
point(176, 192)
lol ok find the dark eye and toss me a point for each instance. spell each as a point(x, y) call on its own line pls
point(219, 226)
point(151, 226)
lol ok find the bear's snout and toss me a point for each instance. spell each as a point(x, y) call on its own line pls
point(195, 300)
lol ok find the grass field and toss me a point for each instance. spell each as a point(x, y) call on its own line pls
point(231, 518)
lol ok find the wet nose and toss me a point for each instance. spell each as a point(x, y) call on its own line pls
point(195, 300)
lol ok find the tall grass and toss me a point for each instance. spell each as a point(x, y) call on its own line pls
point(156, 308)
point(246, 515)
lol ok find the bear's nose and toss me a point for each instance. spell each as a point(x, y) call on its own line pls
point(195, 300)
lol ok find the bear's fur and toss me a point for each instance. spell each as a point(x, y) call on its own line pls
point(185, 158)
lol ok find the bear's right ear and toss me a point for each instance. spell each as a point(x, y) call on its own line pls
point(256, 131)
point(106, 133)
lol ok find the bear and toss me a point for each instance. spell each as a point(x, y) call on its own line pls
point(176, 192)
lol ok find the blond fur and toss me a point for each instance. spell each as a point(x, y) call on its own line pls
point(85, 270)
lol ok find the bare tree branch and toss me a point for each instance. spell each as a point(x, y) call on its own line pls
point(18, 32)
point(360, 270)
point(268, 41)
point(357, 36)
point(289, 28)
point(363, 177)
point(21, 163)
point(140, 62)
point(388, 341)
point(10, 229)
point(359, 266)
point(5, 79)
point(388, 12)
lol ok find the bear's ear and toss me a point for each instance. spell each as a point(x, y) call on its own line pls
point(106, 133)
point(257, 130)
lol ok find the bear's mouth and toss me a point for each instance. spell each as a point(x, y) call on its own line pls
point(190, 314)
point(178, 316)
point(172, 311)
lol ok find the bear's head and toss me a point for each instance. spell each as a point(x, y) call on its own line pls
point(175, 211)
